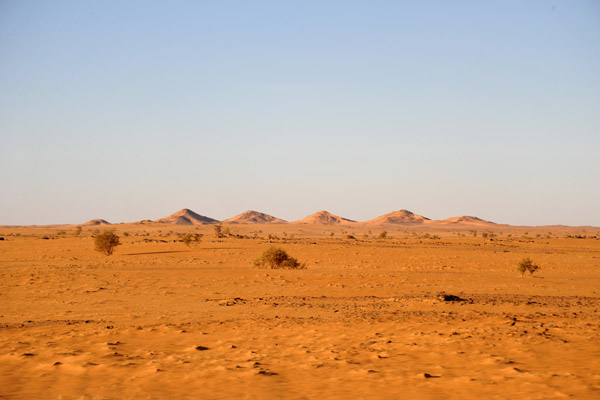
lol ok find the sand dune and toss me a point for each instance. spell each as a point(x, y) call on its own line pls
point(254, 217)
point(186, 217)
point(399, 217)
point(324, 217)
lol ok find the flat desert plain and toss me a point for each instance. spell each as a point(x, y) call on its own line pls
point(366, 319)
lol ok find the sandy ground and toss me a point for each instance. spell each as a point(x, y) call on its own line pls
point(161, 320)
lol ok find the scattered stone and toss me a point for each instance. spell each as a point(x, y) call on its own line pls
point(449, 297)
point(267, 373)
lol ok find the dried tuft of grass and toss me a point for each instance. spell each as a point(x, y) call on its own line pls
point(526, 265)
point(276, 258)
point(106, 242)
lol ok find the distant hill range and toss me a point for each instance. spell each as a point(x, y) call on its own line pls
point(400, 217)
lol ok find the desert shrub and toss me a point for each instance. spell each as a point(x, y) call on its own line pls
point(125, 234)
point(78, 231)
point(188, 239)
point(350, 237)
point(276, 258)
point(219, 231)
point(106, 242)
point(383, 235)
point(526, 265)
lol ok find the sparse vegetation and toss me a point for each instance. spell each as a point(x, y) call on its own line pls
point(78, 231)
point(188, 239)
point(383, 235)
point(526, 265)
point(276, 258)
point(106, 242)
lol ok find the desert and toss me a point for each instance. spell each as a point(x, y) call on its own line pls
point(428, 310)
point(303, 200)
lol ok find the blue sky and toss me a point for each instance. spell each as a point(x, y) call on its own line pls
point(133, 110)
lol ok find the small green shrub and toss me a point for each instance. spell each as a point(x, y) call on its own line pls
point(527, 265)
point(106, 242)
point(276, 258)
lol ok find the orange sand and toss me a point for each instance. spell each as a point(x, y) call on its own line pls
point(160, 320)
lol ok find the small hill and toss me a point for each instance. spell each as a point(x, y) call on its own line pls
point(186, 217)
point(399, 217)
point(96, 222)
point(254, 217)
point(466, 219)
point(324, 217)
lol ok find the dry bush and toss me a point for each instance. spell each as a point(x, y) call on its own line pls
point(527, 265)
point(190, 238)
point(383, 235)
point(106, 242)
point(276, 258)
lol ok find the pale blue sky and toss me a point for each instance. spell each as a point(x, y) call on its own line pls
point(133, 110)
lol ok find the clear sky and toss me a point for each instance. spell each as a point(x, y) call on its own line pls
point(130, 110)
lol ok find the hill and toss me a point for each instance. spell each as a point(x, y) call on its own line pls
point(399, 217)
point(186, 217)
point(96, 222)
point(254, 217)
point(467, 220)
point(324, 217)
